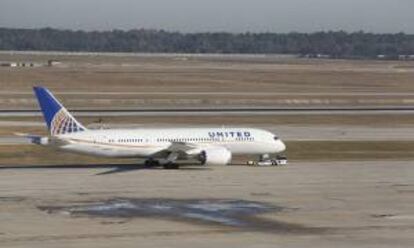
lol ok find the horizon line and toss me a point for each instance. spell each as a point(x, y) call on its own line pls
point(206, 32)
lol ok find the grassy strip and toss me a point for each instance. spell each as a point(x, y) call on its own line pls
point(38, 155)
point(297, 151)
point(350, 150)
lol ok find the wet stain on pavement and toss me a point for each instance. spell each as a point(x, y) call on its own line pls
point(237, 214)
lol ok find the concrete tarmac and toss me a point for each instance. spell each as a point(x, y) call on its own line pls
point(333, 204)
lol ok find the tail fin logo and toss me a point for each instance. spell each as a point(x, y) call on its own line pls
point(64, 123)
point(57, 118)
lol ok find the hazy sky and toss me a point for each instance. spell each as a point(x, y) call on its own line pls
point(212, 15)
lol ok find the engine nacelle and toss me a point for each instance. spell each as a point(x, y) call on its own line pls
point(215, 156)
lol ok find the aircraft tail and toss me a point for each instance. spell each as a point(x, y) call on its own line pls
point(58, 119)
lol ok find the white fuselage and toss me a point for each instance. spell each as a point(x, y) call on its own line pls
point(149, 143)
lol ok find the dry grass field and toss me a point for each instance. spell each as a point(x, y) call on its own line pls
point(351, 188)
point(120, 81)
point(101, 81)
point(105, 81)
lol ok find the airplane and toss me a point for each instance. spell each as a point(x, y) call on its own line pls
point(157, 146)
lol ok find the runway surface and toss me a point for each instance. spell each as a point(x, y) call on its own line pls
point(207, 93)
point(333, 204)
point(222, 111)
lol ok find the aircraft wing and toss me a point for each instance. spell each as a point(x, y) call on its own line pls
point(178, 150)
point(205, 153)
point(182, 147)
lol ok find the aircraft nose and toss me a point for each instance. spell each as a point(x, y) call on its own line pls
point(280, 146)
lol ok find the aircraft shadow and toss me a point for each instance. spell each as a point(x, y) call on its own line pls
point(113, 168)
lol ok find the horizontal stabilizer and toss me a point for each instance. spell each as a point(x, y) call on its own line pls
point(34, 139)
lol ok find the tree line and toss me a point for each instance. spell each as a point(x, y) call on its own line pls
point(333, 44)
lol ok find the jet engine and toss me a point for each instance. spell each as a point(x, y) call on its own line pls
point(215, 156)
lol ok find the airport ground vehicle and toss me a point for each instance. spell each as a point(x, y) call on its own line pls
point(278, 161)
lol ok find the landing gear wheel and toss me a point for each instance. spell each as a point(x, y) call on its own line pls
point(151, 163)
point(264, 157)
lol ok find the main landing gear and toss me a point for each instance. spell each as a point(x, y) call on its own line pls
point(166, 165)
point(151, 163)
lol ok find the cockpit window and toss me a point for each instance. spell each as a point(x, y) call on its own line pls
point(276, 138)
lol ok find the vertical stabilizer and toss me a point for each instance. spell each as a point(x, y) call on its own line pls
point(58, 119)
